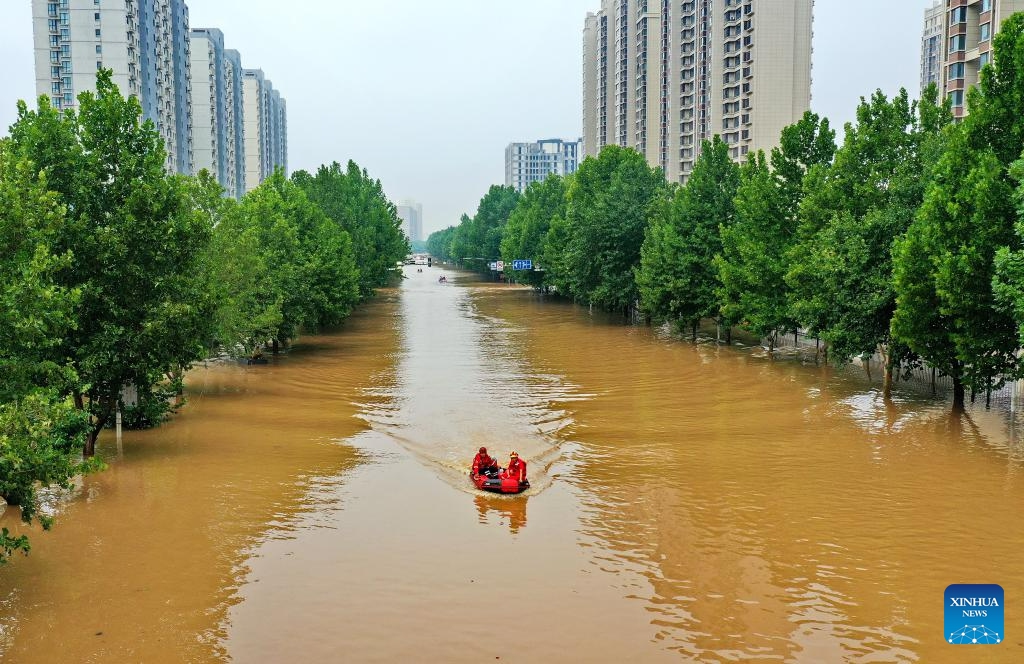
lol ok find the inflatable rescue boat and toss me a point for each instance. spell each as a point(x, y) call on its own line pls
point(491, 480)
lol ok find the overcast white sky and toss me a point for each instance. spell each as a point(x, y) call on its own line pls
point(426, 95)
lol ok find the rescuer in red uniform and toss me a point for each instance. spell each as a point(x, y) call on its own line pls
point(516, 468)
point(483, 462)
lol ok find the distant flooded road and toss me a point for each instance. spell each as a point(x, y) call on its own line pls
point(688, 504)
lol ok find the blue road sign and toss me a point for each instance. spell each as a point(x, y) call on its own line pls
point(522, 265)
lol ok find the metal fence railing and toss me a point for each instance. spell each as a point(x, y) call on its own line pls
point(923, 379)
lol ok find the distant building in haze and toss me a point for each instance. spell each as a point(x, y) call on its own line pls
point(411, 214)
point(663, 77)
point(526, 163)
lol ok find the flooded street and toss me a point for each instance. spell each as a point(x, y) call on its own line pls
point(688, 503)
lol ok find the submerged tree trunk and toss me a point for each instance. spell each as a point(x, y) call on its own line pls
point(866, 363)
point(958, 389)
point(694, 330)
point(95, 425)
point(276, 346)
point(887, 364)
point(728, 335)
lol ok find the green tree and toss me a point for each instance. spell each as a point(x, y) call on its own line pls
point(944, 268)
point(309, 258)
point(753, 262)
point(237, 274)
point(1008, 283)
point(529, 223)
point(461, 247)
point(357, 204)
point(751, 265)
point(606, 214)
point(136, 246)
point(35, 310)
point(489, 222)
point(40, 433)
point(677, 276)
point(841, 267)
point(439, 244)
point(40, 437)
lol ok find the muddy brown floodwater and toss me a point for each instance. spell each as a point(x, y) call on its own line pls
point(689, 503)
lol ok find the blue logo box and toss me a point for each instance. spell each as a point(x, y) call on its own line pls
point(974, 614)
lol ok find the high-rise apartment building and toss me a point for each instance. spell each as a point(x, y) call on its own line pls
point(662, 76)
point(234, 140)
point(209, 103)
point(266, 128)
point(932, 44)
point(255, 123)
point(217, 128)
point(526, 163)
point(144, 42)
point(411, 214)
point(970, 26)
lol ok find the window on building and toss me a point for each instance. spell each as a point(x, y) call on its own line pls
point(54, 41)
point(99, 64)
point(96, 16)
point(956, 70)
point(99, 48)
point(984, 59)
point(51, 9)
point(55, 88)
point(957, 43)
point(985, 32)
point(986, 5)
point(97, 32)
point(958, 15)
point(956, 97)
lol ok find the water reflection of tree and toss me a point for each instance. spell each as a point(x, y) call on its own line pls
point(513, 510)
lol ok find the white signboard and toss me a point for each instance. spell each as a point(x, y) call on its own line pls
point(500, 266)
